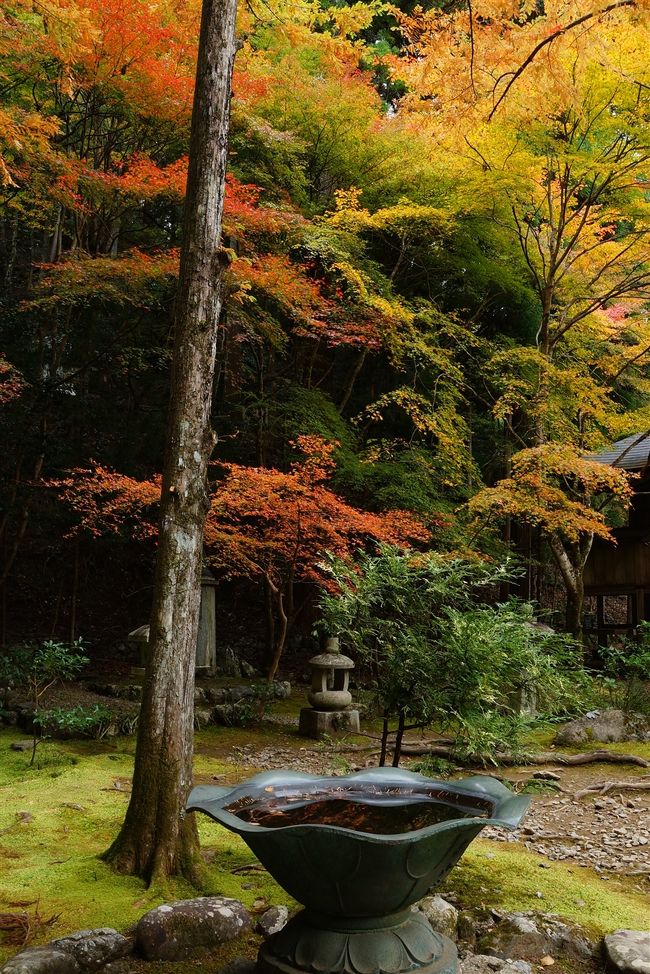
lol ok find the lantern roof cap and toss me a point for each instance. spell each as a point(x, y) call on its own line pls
point(332, 661)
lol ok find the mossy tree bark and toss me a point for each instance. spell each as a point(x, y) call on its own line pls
point(156, 841)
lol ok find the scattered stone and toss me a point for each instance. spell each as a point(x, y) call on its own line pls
point(41, 960)
point(21, 745)
point(93, 949)
point(482, 964)
point(629, 951)
point(172, 931)
point(272, 921)
point(239, 965)
point(606, 726)
point(202, 717)
point(442, 916)
point(248, 671)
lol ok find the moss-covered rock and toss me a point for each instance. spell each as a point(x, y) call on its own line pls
point(173, 931)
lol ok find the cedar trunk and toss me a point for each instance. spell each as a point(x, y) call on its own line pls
point(156, 840)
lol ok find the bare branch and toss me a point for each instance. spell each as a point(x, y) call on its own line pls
point(515, 75)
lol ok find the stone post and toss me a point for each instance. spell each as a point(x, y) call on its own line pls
point(206, 642)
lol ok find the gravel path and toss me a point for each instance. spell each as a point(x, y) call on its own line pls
point(610, 834)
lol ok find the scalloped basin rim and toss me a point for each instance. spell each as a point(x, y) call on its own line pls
point(508, 808)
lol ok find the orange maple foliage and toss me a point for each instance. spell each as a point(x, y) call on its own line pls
point(261, 523)
point(12, 383)
point(106, 502)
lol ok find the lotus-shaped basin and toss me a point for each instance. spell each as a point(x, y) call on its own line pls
point(361, 846)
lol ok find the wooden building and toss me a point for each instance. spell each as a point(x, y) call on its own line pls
point(619, 575)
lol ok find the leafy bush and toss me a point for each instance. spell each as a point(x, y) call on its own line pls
point(77, 721)
point(435, 650)
point(626, 678)
point(38, 667)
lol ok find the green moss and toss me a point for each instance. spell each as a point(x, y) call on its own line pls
point(53, 858)
point(494, 874)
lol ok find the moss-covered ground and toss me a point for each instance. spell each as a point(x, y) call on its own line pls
point(58, 817)
point(506, 875)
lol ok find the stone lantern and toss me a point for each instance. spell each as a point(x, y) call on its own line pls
point(139, 639)
point(329, 696)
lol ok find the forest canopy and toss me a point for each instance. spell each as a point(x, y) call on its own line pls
point(435, 310)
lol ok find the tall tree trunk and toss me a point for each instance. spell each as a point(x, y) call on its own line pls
point(156, 840)
point(384, 741)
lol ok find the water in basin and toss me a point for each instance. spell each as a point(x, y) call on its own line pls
point(379, 812)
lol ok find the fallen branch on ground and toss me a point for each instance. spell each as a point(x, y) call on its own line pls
point(546, 757)
point(344, 748)
point(603, 787)
point(17, 929)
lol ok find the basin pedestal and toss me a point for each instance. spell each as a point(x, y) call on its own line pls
point(396, 944)
point(358, 851)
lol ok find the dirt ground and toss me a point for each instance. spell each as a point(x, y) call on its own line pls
point(608, 832)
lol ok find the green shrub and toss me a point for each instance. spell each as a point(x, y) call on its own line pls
point(435, 650)
point(625, 681)
point(77, 721)
point(40, 666)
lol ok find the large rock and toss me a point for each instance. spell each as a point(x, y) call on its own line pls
point(442, 916)
point(92, 949)
point(628, 951)
point(605, 726)
point(474, 924)
point(533, 936)
point(202, 717)
point(21, 745)
point(516, 936)
point(484, 964)
point(272, 920)
point(172, 931)
point(41, 960)
point(239, 965)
